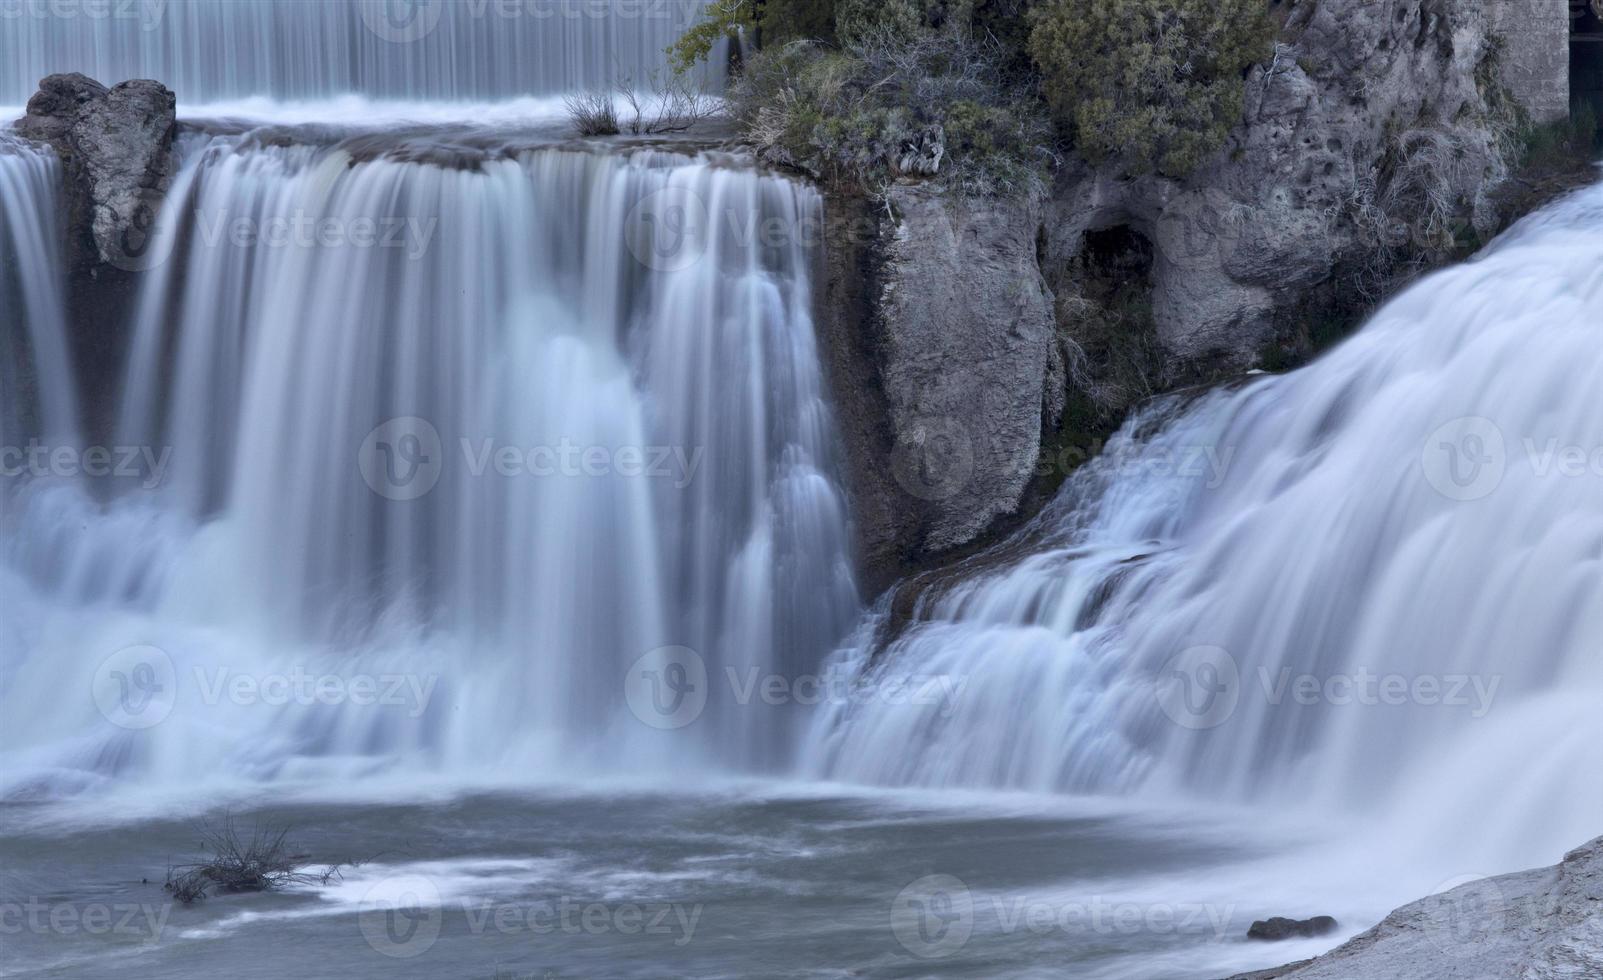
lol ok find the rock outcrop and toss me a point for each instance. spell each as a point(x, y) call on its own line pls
point(941, 339)
point(1377, 125)
point(1372, 144)
point(1545, 924)
point(116, 148)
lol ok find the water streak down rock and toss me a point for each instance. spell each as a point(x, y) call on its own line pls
point(116, 148)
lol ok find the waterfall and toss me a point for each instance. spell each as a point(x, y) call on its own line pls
point(36, 383)
point(496, 431)
point(217, 50)
point(1372, 585)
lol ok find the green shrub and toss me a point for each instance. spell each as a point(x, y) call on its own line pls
point(769, 23)
point(856, 20)
point(929, 104)
point(1156, 84)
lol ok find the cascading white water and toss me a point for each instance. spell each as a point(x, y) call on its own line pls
point(497, 430)
point(36, 382)
point(1424, 502)
point(216, 50)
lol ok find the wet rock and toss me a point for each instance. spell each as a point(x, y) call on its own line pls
point(1277, 928)
point(117, 147)
point(939, 333)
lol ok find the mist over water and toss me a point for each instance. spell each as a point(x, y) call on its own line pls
point(480, 431)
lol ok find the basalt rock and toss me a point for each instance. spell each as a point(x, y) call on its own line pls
point(116, 147)
point(938, 328)
point(1371, 145)
point(1277, 928)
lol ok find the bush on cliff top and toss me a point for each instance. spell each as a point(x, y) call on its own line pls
point(1156, 84)
point(764, 23)
point(927, 104)
point(877, 89)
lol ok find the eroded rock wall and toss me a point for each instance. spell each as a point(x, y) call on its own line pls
point(1374, 137)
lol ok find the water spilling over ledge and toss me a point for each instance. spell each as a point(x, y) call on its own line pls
point(467, 336)
point(37, 393)
point(1422, 506)
point(453, 50)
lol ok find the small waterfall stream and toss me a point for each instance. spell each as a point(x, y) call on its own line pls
point(37, 392)
point(1413, 525)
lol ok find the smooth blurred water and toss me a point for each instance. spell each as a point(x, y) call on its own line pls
point(1197, 613)
point(512, 439)
point(440, 50)
point(38, 397)
point(719, 881)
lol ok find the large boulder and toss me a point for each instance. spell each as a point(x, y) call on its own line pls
point(939, 330)
point(117, 146)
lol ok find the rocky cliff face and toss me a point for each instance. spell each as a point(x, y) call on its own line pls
point(1377, 131)
point(944, 358)
point(1545, 924)
point(116, 147)
point(1371, 146)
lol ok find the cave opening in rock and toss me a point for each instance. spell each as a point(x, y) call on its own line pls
point(1586, 57)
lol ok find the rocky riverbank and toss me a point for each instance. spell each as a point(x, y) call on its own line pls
point(1543, 924)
